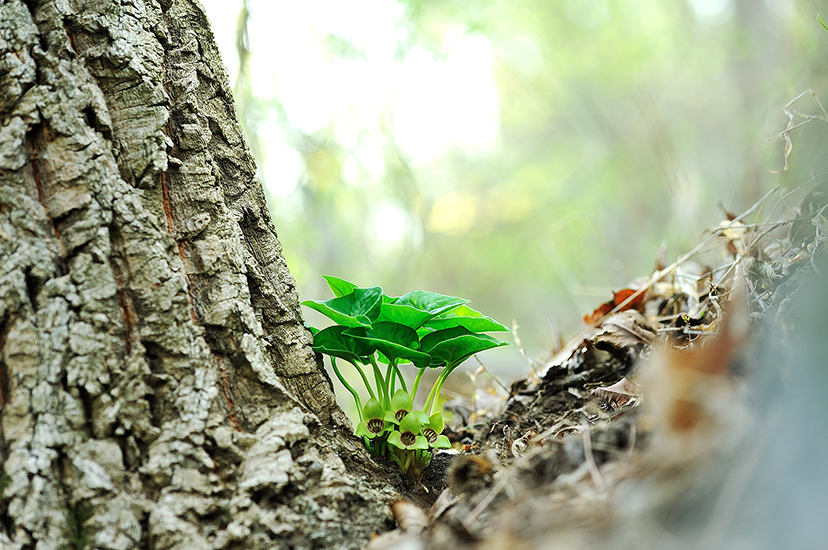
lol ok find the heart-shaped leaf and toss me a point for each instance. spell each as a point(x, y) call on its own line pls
point(452, 346)
point(417, 307)
point(357, 309)
point(430, 302)
point(462, 316)
point(339, 287)
point(406, 315)
point(394, 341)
point(334, 341)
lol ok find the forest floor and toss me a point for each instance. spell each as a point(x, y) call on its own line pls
point(658, 426)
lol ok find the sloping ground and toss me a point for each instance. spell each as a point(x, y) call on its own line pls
point(691, 413)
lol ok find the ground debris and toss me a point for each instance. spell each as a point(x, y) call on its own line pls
point(619, 394)
point(647, 428)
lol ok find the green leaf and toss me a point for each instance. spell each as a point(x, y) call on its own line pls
point(334, 341)
point(417, 307)
point(357, 309)
point(463, 316)
point(402, 314)
point(452, 346)
point(339, 287)
point(429, 302)
point(395, 342)
point(824, 26)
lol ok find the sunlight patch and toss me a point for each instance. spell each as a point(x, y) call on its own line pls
point(283, 167)
point(453, 213)
point(713, 11)
point(445, 104)
point(392, 225)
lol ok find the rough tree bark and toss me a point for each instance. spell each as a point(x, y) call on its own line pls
point(156, 381)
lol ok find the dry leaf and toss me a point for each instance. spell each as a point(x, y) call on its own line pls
point(618, 394)
point(690, 392)
point(618, 298)
point(445, 501)
point(409, 516)
point(526, 443)
point(625, 330)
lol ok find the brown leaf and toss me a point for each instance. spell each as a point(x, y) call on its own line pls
point(617, 299)
point(595, 316)
point(409, 516)
point(618, 394)
point(625, 330)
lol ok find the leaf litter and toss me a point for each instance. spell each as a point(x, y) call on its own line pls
point(643, 427)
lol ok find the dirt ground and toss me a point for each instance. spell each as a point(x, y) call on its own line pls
point(685, 415)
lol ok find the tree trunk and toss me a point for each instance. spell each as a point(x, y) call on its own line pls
point(157, 385)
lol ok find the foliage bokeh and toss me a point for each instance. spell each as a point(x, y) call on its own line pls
point(616, 125)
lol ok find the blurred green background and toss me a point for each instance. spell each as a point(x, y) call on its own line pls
point(530, 155)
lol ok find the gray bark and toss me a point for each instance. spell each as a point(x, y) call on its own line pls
point(157, 385)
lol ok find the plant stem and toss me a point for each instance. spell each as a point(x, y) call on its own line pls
point(438, 387)
point(348, 386)
point(400, 376)
point(382, 389)
point(391, 376)
point(431, 393)
point(365, 380)
point(413, 393)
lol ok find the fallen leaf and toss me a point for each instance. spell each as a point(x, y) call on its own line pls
point(617, 299)
point(618, 394)
point(625, 330)
point(409, 516)
point(530, 440)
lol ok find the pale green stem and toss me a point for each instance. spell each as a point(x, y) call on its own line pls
point(433, 389)
point(402, 379)
point(439, 387)
point(382, 389)
point(391, 376)
point(413, 393)
point(348, 386)
point(364, 380)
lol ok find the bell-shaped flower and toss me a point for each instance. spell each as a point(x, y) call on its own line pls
point(374, 423)
point(432, 429)
point(408, 437)
point(401, 405)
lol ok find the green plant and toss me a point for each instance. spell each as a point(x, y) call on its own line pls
point(426, 329)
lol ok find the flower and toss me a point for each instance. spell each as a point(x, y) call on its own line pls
point(374, 423)
point(401, 405)
point(408, 437)
point(432, 430)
